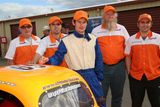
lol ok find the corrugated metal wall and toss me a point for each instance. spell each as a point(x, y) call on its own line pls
point(129, 19)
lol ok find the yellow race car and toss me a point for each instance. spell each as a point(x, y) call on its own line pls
point(43, 86)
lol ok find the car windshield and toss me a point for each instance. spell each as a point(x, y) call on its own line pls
point(73, 95)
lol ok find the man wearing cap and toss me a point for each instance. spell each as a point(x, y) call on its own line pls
point(143, 63)
point(49, 44)
point(65, 28)
point(22, 49)
point(46, 31)
point(111, 38)
point(82, 54)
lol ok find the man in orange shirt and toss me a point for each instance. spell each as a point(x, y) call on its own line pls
point(143, 63)
point(111, 38)
point(49, 44)
point(22, 49)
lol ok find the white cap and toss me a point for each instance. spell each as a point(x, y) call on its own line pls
point(45, 28)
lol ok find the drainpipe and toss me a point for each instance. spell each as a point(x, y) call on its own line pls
point(3, 46)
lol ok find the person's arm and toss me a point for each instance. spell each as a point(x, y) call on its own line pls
point(10, 53)
point(58, 57)
point(128, 63)
point(36, 58)
point(98, 62)
point(126, 34)
point(128, 55)
point(40, 50)
point(159, 44)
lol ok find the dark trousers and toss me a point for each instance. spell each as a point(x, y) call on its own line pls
point(114, 77)
point(138, 88)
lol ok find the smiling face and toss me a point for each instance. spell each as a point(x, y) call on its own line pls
point(144, 25)
point(26, 30)
point(55, 27)
point(80, 25)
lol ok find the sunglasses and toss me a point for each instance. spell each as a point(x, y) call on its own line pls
point(24, 27)
point(57, 24)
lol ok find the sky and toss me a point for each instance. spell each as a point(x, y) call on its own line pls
point(10, 9)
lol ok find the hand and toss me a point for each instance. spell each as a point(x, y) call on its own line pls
point(29, 62)
point(10, 62)
point(43, 60)
point(128, 71)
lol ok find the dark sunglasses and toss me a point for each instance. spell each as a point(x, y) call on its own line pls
point(24, 27)
point(57, 24)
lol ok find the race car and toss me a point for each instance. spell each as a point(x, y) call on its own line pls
point(43, 86)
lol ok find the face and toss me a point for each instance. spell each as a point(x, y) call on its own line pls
point(109, 16)
point(46, 32)
point(56, 27)
point(65, 30)
point(26, 30)
point(144, 25)
point(80, 25)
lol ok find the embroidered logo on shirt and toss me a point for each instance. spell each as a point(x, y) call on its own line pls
point(101, 32)
point(136, 42)
point(118, 29)
point(152, 38)
point(22, 42)
point(53, 45)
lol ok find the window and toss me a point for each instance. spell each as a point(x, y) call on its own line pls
point(69, 95)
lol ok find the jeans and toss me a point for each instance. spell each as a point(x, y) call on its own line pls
point(114, 77)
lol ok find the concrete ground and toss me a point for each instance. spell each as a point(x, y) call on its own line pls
point(126, 97)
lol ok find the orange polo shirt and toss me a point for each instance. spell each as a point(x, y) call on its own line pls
point(22, 51)
point(112, 43)
point(145, 55)
point(48, 46)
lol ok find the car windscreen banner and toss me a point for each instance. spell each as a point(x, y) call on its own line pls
point(69, 95)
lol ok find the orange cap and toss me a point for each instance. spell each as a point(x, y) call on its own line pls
point(53, 19)
point(109, 8)
point(80, 14)
point(24, 21)
point(145, 16)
